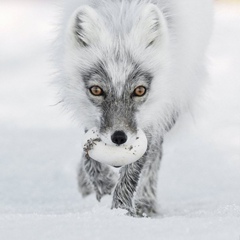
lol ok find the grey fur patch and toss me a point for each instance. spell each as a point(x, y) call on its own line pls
point(84, 184)
point(170, 124)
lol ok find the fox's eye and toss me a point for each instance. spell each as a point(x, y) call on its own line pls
point(139, 91)
point(96, 91)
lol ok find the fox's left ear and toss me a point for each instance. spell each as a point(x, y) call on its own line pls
point(86, 27)
point(151, 28)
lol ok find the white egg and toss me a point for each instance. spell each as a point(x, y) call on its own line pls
point(114, 155)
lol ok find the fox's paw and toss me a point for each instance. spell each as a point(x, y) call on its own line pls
point(103, 188)
point(123, 202)
point(146, 208)
point(104, 185)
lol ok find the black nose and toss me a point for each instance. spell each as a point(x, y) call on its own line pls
point(119, 137)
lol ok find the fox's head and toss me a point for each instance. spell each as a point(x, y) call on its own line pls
point(115, 64)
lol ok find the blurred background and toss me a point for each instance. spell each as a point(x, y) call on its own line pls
point(40, 145)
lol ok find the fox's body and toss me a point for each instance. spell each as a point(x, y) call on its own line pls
point(117, 47)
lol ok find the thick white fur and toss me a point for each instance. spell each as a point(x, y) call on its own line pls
point(176, 58)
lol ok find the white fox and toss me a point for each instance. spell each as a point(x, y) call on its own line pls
point(128, 65)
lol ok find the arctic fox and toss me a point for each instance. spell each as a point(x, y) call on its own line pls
point(128, 65)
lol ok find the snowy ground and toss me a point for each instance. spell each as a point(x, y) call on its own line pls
point(199, 186)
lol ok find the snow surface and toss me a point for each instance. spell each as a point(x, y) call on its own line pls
point(199, 193)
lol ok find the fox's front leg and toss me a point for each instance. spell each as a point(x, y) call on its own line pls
point(127, 184)
point(146, 194)
point(100, 176)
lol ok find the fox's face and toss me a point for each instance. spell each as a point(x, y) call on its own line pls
point(117, 102)
point(111, 72)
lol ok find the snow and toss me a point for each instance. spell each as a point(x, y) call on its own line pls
point(199, 194)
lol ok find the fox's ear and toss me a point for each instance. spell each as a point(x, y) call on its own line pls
point(86, 27)
point(151, 28)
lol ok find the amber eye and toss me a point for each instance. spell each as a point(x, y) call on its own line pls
point(139, 91)
point(96, 91)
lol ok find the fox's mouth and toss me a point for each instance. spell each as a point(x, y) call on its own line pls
point(116, 154)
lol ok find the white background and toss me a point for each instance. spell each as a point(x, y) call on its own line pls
point(199, 180)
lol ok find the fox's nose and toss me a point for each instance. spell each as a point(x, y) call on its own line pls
point(119, 137)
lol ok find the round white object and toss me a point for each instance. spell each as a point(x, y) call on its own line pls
point(114, 155)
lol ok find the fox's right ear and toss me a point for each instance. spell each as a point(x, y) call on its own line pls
point(86, 27)
point(151, 29)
